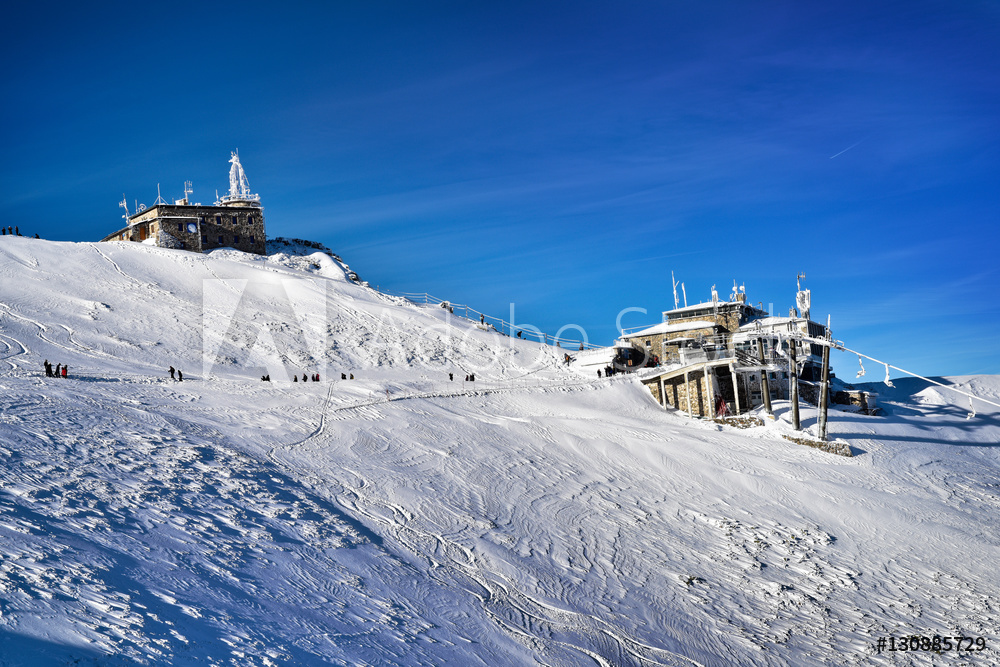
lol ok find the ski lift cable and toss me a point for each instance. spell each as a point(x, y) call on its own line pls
point(837, 345)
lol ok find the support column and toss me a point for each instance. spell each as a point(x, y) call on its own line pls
point(793, 384)
point(824, 387)
point(711, 392)
point(663, 394)
point(687, 390)
point(764, 384)
point(736, 387)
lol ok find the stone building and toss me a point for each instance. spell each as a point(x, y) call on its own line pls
point(707, 355)
point(234, 221)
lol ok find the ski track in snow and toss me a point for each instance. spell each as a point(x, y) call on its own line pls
point(531, 517)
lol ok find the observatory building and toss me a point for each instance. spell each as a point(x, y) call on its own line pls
point(235, 221)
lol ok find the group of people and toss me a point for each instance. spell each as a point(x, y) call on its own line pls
point(12, 230)
point(609, 370)
point(176, 374)
point(60, 370)
point(305, 378)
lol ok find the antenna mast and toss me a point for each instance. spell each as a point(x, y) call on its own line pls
point(677, 303)
point(803, 298)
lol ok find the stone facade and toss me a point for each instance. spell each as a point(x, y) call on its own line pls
point(676, 390)
point(198, 228)
point(663, 341)
point(727, 315)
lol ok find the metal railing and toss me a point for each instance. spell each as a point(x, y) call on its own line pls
point(498, 324)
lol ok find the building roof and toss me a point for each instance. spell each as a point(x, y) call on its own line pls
point(665, 327)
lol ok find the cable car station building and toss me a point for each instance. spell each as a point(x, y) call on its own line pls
point(234, 221)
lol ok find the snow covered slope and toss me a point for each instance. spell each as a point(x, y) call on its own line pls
point(404, 518)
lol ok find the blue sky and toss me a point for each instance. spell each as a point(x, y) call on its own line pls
point(562, 156)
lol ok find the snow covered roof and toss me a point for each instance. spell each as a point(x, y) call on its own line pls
point(706, 305)
point(666, 327)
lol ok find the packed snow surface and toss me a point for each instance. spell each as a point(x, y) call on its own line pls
point(534, 516)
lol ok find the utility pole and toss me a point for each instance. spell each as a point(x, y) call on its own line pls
point(765, 386)
point(793, 384)
point(824, 387)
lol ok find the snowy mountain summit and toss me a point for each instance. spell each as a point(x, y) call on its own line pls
point(392, 512)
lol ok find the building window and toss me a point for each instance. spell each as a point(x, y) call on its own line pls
point(218, 219)
point(201, 220)
point(180, 226)
point(249, 219)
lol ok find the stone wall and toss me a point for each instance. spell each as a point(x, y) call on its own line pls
point(657, 342)
point(198, 228)
point(676, 392)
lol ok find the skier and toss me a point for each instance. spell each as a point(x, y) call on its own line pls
point(172, 371)
point(58, 366)
point(180, 376)
point(451, 377)
point(48, 368)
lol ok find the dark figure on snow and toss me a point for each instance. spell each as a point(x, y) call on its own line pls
point(64, 371)
point(36, 235)
point(472, 377)
point(172, 371)
point(352, 376)
point(4, 230)
point(343, 376)
point(48, 368)
point(17, 230)
point(58, 366)
point(180, 376)
point(451, 376)
point(518, 334)
point(482, 319)
point(295, 378)
point(598, 373)
point(466, 378)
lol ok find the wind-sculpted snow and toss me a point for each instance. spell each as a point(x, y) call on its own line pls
point(533, 516)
